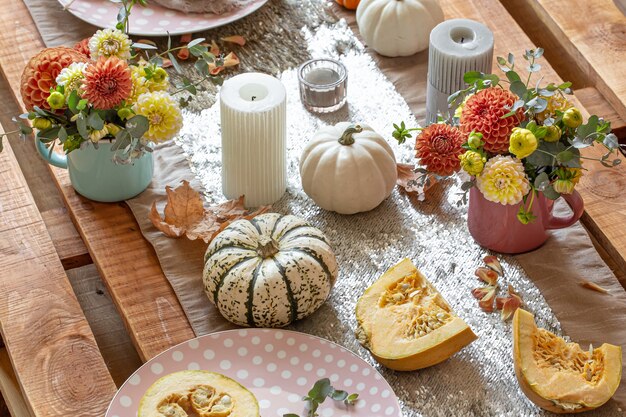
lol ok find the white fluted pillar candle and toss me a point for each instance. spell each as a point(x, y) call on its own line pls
point(456, 47)
point(254, 145)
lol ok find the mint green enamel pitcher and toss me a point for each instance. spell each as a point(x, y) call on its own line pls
point(94, 175)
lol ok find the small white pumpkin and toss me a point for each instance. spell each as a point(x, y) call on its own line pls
point(348, 169)
point(398, 27)
point(269, 271)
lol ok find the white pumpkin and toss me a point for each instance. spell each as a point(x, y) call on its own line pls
point(348, 169)
point(269, 271)
point(398, 27)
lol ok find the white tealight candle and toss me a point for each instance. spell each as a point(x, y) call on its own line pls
point(254, 147)
point(456, 47)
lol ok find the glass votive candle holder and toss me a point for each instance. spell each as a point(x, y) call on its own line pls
point(323, 85)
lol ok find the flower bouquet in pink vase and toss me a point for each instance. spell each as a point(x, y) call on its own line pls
point(520, 143)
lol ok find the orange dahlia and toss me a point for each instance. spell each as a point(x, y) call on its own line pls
point(107, 82)
point(483, 113)
point(83, 47)
point(40, 74)
point(438, 148)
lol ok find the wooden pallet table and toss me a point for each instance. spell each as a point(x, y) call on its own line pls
point(32, 267)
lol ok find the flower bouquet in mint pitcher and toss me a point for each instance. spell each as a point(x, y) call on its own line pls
point(519, 140)
point(107, 101)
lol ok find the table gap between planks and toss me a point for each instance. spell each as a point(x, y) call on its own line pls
point(127, 262)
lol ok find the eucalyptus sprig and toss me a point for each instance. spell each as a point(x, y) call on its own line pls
point(124, 12)
point(318, 394)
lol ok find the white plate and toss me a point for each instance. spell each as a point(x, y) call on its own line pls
point(278, 366)
point(155, 20)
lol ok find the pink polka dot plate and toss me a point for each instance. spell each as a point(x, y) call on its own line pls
point(155, 20)
point(278, 366)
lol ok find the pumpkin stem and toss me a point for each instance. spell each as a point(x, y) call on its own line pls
point(347, 139)
point(267, 248)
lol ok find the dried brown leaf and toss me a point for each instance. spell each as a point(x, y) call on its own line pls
point(414, 182)
point(215, 50)
point(185, 215)
point(239, 40)
point(487, 275)
point(594, 287)
point(493, 263)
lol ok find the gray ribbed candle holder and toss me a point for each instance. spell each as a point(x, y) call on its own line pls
point(456, 47)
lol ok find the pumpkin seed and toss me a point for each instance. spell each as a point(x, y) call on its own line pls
point(398, 297)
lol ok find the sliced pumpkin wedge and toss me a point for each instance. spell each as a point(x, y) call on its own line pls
point(559, 376)
point(406, 324)
point(197, 394)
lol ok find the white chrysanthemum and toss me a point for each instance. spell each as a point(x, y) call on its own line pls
point(72, 77)
point(110, 42)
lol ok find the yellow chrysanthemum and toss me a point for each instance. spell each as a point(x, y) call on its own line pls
point(472, 162)
point(555, 102)
point(503, 180)
point(162, 112)
point(71, 78)
point(110, 42)
point(158, 82)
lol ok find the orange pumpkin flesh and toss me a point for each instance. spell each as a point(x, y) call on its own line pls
point(406, 324)
point(349, 4)
point(559, 376)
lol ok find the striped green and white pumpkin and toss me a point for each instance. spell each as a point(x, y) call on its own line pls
point(269, 271)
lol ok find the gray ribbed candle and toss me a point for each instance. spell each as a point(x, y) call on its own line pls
point(456, 47)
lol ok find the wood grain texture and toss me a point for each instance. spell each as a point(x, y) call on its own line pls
point(125, 260)
point(603, 189)
point(105, 322)
point(595, 103)
point(12, 395)
point(591, 34)
point(42, 324)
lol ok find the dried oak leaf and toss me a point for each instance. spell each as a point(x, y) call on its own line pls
point(185, 215)
point(414, 182)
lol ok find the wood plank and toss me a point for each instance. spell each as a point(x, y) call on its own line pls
point(42, 324)
point(65, 238)
point(591, 34)
point(125, 260)
point(105, 322)
point(10, 388)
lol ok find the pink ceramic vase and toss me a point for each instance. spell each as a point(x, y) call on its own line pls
point(495, 226)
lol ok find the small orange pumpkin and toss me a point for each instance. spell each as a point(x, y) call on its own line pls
point(349, 4)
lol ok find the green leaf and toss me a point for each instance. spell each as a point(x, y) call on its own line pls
point(550, 193)
point(72, 102)
point(122, 140)
point(139, 45)
point(82, 104)
point(511, 58)
point(565, 85)
point(195, 42)
point(62, 135)
point(137, 126)
point(95, 121)
point(534, 68)
point(175, 63)
point(198, 50)
point(518, 88)
point(81, 124)
point(542, 181)
point(471, 77)
point(513, 76)
point(564, 156)
point(339, 395)
point(538, 53)
point(611, 141)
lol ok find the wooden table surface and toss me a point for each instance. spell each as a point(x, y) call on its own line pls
point(43, 238)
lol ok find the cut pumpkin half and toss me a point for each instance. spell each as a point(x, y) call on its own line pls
point(406, 324)
point(197, 394)
point(559, 376)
